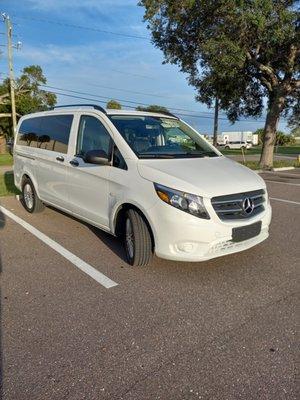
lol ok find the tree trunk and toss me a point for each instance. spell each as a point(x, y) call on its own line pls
point(215, 137)
point(275, 108)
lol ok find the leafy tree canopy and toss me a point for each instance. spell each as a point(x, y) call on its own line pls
point(29, 96)
point(241, 51)
point(113, 104)
point(281, 137)
point(153, 108)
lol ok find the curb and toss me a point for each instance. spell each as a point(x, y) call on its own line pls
point(283, 168)
point(261, 171)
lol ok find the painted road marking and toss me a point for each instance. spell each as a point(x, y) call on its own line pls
point(283, 183)
point(285, 201)
point(78, 262)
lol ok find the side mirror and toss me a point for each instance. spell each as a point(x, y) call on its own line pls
point(96, 157)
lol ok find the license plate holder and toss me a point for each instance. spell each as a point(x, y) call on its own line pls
point(246, 232)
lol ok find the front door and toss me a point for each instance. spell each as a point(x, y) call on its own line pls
point(88, 184)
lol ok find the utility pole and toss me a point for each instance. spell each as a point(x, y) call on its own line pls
point(216, 122)
point(11, 70)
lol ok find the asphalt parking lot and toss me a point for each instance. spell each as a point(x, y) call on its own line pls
point(223, 329)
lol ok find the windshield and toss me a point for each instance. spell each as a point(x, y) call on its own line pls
point(159, 137)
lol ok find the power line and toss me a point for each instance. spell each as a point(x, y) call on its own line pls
point(88, 28)
point(119, 100)
point(133, 107)
point(133, 74)
point(125, 90)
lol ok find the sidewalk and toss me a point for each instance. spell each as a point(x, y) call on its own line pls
point(6, 168)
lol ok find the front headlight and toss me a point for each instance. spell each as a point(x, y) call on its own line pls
point(186, 202)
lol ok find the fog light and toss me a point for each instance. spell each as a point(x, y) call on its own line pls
point(186, 247)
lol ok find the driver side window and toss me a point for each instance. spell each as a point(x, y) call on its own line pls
point(92, 135)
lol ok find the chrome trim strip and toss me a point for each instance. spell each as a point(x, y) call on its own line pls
point(25, 156)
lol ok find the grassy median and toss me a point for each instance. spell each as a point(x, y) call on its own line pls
point(285, 150)
point(6, 159)
point(276, 164)
point(7, 186)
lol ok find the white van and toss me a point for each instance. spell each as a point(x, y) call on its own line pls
point(237, 145)
point(147, 177)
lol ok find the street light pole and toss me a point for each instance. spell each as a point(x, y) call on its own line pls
point(215, 137)
point(11, 71)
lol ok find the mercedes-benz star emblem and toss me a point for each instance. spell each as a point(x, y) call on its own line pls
point(248, 205)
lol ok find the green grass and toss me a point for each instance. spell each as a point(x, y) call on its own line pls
point(6, 159)
point(288, 150)
point(7, 187)
point(276, 164)
point(253, 150)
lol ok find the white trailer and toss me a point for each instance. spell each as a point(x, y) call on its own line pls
point(237, 136)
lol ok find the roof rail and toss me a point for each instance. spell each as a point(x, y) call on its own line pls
point(95, 106)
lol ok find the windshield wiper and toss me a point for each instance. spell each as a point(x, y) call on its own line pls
point(199, 154)
point(146, 155)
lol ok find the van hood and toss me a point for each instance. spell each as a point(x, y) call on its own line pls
point(207, 177)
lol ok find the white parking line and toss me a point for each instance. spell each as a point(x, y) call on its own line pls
point(285, 201)
point(283, 183)
point(82, 265)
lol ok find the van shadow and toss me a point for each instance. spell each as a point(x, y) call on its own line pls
point(112, 242)
point(2, 224)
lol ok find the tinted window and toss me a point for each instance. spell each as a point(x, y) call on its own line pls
point(92, 135)
point(29, 132)
point(50, 132)
point(55, 132)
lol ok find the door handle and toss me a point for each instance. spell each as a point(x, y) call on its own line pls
point(60, 158)
point(75, 163)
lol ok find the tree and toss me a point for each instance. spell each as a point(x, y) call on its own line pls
point(113, 104)
point(282, 139)
point(295, 132)
point(29, 97)
point(153, 108)
point(243, 51)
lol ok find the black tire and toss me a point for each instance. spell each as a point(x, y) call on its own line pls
point(142, 247)
point(227, 148)
point(30, 200)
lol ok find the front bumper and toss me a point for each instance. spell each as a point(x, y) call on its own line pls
point(182, 237)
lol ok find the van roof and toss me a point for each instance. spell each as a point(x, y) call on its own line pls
point(73, 108)
point(109, 111)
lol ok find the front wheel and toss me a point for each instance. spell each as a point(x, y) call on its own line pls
point(138, 241)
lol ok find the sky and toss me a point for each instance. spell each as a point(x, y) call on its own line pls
point(98, 61)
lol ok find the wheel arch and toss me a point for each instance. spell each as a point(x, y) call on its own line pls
point(119, 218)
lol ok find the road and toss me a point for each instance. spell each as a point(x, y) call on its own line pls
point(223, 329)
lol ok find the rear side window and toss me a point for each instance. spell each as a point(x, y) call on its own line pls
point(29, 132)
point(50, 132)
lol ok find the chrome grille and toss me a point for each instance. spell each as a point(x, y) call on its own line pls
point(232, 206)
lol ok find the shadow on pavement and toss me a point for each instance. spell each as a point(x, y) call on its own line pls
point(112, 242)
point(2, 223)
